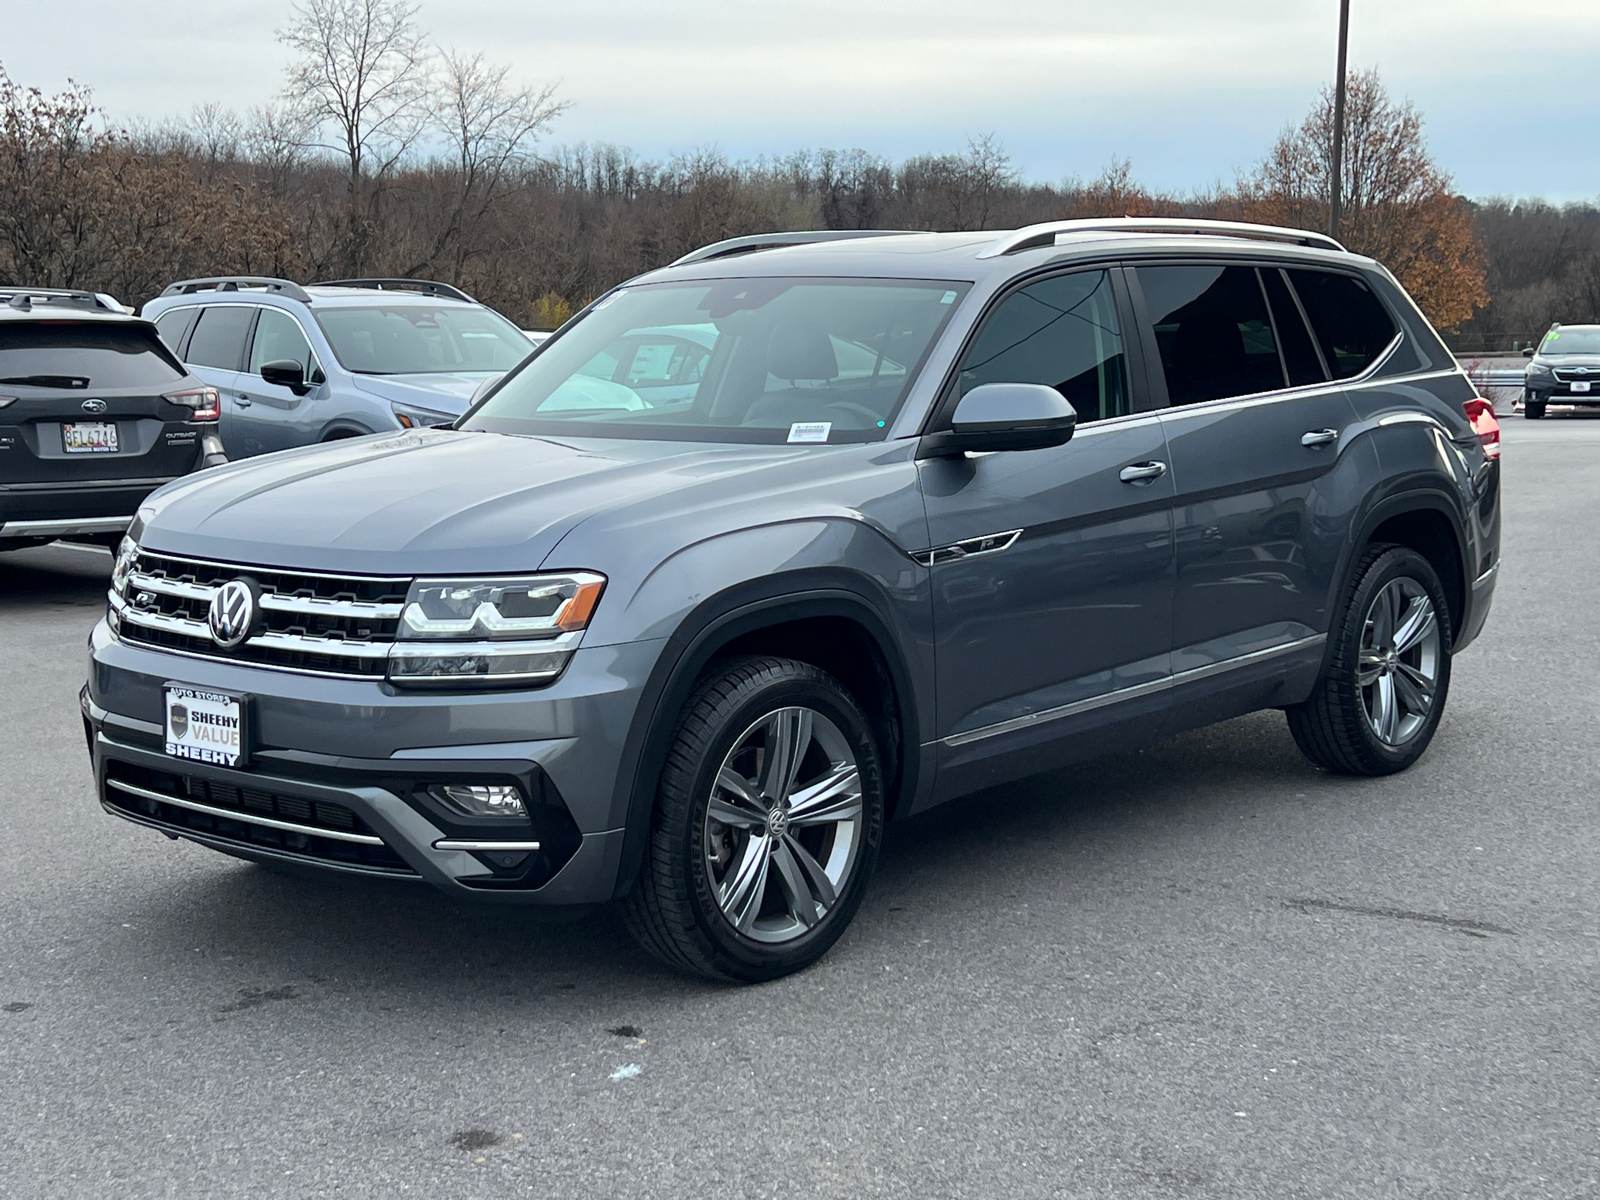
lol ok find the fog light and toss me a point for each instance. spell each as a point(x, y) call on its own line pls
point(482, 800)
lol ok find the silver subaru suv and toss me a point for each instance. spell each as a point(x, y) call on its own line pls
point(801, 535)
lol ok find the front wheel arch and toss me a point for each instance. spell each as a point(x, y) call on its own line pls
point(741, 618)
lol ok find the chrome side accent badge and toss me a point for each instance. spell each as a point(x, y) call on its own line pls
point(989, 543)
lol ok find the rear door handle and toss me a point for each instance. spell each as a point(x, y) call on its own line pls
point(1145, 472)
point(1319, 437)
point(242, 401)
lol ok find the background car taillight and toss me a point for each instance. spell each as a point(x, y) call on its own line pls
point(206, 402)
point(1480, 413)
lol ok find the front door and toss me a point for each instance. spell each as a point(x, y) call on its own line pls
point(269, 415)
point(1257, 434)
point(1051, 569)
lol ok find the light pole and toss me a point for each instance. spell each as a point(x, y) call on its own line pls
point(1336, 198)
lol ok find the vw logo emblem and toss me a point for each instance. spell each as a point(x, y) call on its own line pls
point(233, 612)
point(93, 406)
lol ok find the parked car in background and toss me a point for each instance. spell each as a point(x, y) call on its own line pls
point(95, 414)
point(1565, 370)
point(801, 534)
point(296, 365)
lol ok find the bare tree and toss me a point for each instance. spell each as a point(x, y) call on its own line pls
point(362, 80)
point(1398, 205)
point(490, 126)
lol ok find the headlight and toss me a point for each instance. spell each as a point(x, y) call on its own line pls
point(492, 632)
point(127, 556)
point(411, 417)
point(1538, 370)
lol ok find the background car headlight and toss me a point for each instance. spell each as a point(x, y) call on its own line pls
point(411, 417)
point(1538, 371)
point(492, 632)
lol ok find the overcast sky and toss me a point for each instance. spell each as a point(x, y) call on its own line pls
point(1191, 91)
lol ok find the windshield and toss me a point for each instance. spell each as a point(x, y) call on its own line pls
point(415, 339)
point(84, 354)
point(730, 360)
point(1572, 341)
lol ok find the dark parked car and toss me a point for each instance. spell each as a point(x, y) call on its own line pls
point(95, 414)
point(1565, 370)
point(936, 511)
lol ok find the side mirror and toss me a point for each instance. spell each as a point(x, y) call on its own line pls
point(484, 388)
point(286, 373)
point(1527, 352)
point(1005, 416)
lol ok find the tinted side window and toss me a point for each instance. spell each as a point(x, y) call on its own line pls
point(1299, 355)
point(279, 338)
point(218, 339)
point(1214, 332)
point(174, 326)
point(1062, 332)
point(1351, 324)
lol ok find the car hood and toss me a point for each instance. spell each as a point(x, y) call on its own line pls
point(431, 501)
point(446, 393)
point(1569, 362)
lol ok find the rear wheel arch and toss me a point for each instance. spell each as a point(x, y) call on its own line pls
point(839, 626)
point(1424, 521)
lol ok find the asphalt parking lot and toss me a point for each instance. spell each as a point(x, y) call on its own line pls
point(1206, 970)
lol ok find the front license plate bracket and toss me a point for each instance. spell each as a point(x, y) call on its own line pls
point(205, 725)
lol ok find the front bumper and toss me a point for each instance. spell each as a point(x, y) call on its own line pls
point(1561, 394)
point(339, 770)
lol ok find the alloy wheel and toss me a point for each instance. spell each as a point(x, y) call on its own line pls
point(1397, 670)
point(783, 825)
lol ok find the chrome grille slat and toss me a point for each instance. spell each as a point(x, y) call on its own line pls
point(314, 622)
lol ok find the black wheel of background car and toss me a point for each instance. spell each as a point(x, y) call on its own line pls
point(1533, 409)
point(766, 827)
point(1379, 701)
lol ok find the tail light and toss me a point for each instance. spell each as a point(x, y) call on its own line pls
point(206, 402)
point(1480, 414)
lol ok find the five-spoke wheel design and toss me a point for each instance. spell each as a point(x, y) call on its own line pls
point(1397, 670)
point(782, 826)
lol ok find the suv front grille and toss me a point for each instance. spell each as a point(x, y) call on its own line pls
point(254, 818)
point(329, 624)
point(1573, 376)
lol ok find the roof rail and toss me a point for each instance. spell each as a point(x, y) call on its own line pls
point(235, 283)
point(25, 298)
point(427, 287)
point(1034, 236)
point(774, 241)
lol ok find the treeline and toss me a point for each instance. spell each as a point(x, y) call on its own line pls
point(446, 184)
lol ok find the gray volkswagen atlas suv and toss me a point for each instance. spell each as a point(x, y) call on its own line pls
point(800, 535)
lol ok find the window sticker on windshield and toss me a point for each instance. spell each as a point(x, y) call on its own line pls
point(947, 298)
point(810, 431)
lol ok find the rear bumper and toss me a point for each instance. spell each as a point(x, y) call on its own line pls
point(1478, 608)
point(63, 510)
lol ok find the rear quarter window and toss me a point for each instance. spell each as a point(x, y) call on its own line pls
point(78, 355)
point(1352, 325)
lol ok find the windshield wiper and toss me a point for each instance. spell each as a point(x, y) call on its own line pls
point(49, 381)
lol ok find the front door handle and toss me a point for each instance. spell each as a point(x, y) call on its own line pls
point(242, 401)
point(1319, 437)
point(1145, 472)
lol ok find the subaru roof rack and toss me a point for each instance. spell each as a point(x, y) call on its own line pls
point(1033, 237)
point(237, 283)
point(25, 298)
point(773, 241)
point(427, 287)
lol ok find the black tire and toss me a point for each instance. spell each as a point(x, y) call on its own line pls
point(675, 908)
point(1533, 410)
point(1334, 728)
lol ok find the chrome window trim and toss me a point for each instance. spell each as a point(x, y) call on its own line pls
point(249, 818)
point(1129, 693)
point(247, 568)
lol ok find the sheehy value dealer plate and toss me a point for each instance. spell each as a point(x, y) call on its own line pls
point(205, 726)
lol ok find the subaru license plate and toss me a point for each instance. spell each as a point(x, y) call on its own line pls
point(89, 437)
point(205, 726)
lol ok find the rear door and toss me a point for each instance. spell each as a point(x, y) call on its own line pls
point(83, 402)
point(269, 416)
point(215, 352)
point(1261, 444)
point(1051, 569)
